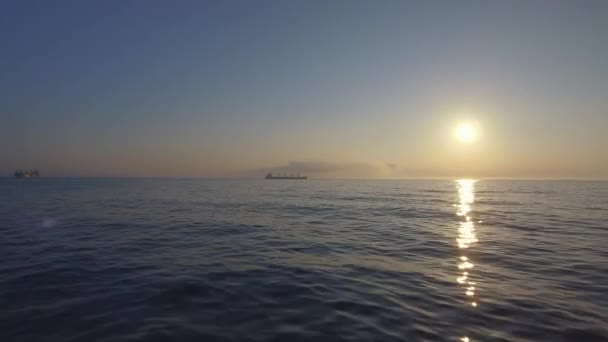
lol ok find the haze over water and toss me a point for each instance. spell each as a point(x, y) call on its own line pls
point(258, 260)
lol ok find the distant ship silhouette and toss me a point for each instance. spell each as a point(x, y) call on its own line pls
point(284, 176)
point(27, 174)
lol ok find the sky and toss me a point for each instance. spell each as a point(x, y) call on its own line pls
point(332, 89)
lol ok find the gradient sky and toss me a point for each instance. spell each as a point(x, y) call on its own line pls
point(346, 89)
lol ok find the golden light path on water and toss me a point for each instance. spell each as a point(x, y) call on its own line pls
point(466, 239)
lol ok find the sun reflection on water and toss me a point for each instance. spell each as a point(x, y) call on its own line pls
point(466, 238)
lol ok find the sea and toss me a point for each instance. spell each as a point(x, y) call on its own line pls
point(303, 260)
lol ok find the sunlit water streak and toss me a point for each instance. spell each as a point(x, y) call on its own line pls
point(466, 239)
point(255, 260)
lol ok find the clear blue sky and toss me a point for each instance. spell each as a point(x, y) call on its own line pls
point(332, 88)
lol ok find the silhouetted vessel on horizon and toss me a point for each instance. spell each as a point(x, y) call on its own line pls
point(284, 176)
point(27, 174)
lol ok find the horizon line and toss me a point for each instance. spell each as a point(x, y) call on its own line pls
point(351, 179)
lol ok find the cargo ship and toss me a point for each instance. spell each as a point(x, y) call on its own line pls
point(27, 174)
point(284, 176)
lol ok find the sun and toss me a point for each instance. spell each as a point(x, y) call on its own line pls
point(466, 132)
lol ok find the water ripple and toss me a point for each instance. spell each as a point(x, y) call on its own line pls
point(248, 260)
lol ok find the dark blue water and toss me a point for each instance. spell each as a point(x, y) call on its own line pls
point(256, 260)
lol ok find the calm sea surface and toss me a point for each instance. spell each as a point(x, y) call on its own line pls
point(257, 260)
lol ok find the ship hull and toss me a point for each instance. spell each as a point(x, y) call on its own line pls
point(274, 177)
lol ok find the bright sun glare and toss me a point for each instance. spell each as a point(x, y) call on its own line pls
point(466, 132)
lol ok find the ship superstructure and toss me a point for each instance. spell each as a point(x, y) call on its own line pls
point(285, 176)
